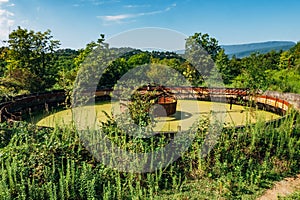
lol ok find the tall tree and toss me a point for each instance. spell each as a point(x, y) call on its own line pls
point(253, 74)
point(286, 59)
point(222, 63)
point(30, 58)
point(68, 76)
point(201, 51)
point(209, 44)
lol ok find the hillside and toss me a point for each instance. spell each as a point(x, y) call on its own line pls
point(243, 50)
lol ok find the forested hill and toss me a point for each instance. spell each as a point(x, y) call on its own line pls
point(37, 64)
point(244, 50)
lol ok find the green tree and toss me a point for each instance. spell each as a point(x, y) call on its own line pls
point(209, 44)
point(253, 75)
point(139, 59)
point(122, 65)
point(65, 65)
point(83, 53)
point(285, 60)
point(69, 71)
point(201, 51)
point(114, 72)
point(285, 80)
point(3, 52)
point(271, 60)
point(295, 51)
point(286, 76)
point(30, 59)
point(223, 66)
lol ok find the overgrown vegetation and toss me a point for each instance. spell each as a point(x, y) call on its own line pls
point(294, 196)
point(54, 164)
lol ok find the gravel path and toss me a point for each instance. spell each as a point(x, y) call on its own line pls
point(282, 188)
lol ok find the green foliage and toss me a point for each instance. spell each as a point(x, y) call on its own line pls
point(114, 72)
point(31, 63)
point(229, 69)
point(271, 71)
point(140, 106)
point(139, 59)
point(293, 196)
point(286, 80)
point(66, 68)
point(209, 44)
point(84, 53)
point(201, 51)
point(30, 57)
point(285, 60)
point(252, 75)
point(3, 53)
point(53, 163)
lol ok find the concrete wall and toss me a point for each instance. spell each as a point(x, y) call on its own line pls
point(293, 99)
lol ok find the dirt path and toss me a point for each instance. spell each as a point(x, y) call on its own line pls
point(282, 188)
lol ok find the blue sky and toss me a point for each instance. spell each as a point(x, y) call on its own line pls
point(77, 22)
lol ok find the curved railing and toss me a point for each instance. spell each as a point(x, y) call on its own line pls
point(20, 106)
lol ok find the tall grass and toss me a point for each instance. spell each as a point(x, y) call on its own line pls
point(54, 164)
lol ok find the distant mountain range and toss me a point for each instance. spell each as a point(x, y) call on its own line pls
point(243, 50)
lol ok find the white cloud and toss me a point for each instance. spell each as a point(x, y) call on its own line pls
point(116, 17)
point(3, 1)
point(136, 6)
point(170, 7)
point(6, 13)
point(100, 2)
point(120, 18)
point(82, 3)
point(6, 21)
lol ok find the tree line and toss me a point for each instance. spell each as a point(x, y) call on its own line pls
point(33, 62)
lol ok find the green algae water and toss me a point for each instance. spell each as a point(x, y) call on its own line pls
point(188, 111)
